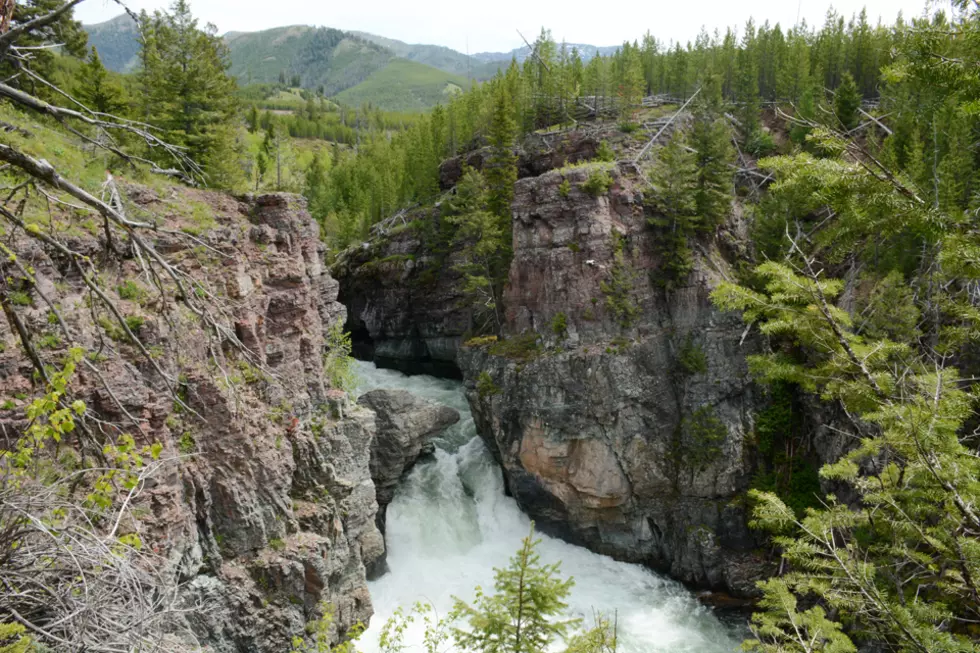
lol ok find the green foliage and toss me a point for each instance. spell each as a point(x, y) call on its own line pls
point(320, 633)
point(691, 357)
point(186, 92)
point(895, 564)
point(674, 205)
point(564, 188)
point(620, 288)
point(19, 298)
point(338, 365)
point(523, 615)
point(598, 183)
point(523, 348)
point(605, 153)
point(559, 325)
point(13, 639)
point(711, 139)
point(482, 239)
point(49, 341)
point(702, 436)
point(847, 101)
point(131, 291)
point(485, 386)
point(501, 167)
point(98, 89)
point(186, 445)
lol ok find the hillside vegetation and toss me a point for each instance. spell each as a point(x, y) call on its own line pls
point(404, 86)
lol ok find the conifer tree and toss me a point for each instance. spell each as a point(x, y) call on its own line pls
point(187, 91)
point(501, 168)
point(847, 102)
point(484, 249)
point(711, 139)
point(675, 210)
point(524, 615)
point(97, 89)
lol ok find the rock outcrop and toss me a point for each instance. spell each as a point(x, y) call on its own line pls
point(406, 425)
point(626, 426)
point(405, 301)
point(266, 509)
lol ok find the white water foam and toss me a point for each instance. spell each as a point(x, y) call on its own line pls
point(450, 524)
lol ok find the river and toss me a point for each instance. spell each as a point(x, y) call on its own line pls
point(450, 524)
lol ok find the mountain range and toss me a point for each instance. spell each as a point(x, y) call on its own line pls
point(354, 67)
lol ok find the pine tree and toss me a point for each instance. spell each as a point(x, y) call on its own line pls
point(711, 139)
point(524, 615)
point(97, 89)
point(187, 91)
point(847, 102)
point(64, 31)
point(483, 248)
point(501, 168)
point(675, 210)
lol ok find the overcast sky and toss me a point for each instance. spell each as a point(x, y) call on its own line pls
point(482, 25)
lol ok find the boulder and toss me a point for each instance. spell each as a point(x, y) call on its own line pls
point(406, 425)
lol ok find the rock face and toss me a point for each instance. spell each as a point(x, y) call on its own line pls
point(266, 509)
point(406, 309)
point(539, 154)
point(626, 434)
point(405, 426)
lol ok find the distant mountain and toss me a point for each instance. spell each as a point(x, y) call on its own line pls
point(437, 56)
point(320, 56)
point(585, 51)
point(355, 67)
point(117, 41)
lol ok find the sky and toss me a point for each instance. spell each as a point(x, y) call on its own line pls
point(480, 25)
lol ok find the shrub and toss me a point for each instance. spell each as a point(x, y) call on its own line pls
point(49, 341)
point(19, 298)
point(135, 323)
point(520, 348)
point(691, 357)
point(485, 386)
point(620, 287)
point(480, 341)
point(564, 188)
point(338, 365)
point(559, 325)
point(628, 126)
point(703, 435)
point(598, 183)
point(131, 290)
point(186, 444)
point(605, 153)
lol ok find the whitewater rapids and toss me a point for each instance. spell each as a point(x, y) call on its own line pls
point(450, 524)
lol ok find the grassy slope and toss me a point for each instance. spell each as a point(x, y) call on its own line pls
point(404, 86)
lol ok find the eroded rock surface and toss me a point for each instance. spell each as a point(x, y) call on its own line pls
point(627, 435)
point(406, 425)
point(267, 508)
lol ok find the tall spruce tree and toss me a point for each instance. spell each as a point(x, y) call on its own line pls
point(711, 139)
point(675, 210)
point(501, 168)
point(187, 91)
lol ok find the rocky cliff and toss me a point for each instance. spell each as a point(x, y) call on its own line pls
point(621, 413)
point(266, 509)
